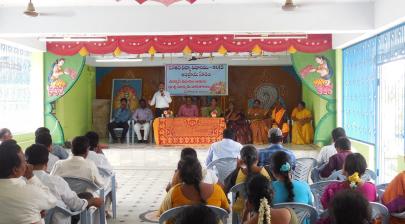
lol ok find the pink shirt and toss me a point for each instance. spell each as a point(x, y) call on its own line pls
point(188, 111)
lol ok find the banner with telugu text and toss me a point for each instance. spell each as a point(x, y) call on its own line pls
point(197, 79)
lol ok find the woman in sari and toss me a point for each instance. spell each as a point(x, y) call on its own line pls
point(237, 121)
point(258, 125)
point(280, 119)
point(302, 130)
point(394, 197)
point(213, 110)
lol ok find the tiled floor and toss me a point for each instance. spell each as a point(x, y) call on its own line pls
point(143, 172)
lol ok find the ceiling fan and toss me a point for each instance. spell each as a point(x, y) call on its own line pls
point(195, 58)
point(289, 5)
point(30, 11)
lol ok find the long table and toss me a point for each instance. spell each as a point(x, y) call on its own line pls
point(188, 131)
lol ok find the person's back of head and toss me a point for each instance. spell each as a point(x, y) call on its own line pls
point(189, 152)
point(10, 161)
point(197, 214)
point(190, 172)
point(350, 207)
point(42, 130)
point(281, 167)
point(80, 146)
point(5, 134)
point(44, 139)
point(229, 134)
point(354, 167)
point(93, 139)
point(338, 133)
point(248, 155)
point(343, 144)
point(259, 194)
point(275, 136)
point(37, 154)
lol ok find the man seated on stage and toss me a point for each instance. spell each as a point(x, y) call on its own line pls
point(226, 148)
point(161, 99)
point(37, 156)
point(276, 141)
point(188, 109)
point(142, 117)
point(280, 119)
point(120, 120)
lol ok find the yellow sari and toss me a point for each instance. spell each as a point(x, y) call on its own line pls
point(302, 133)
point(258, 125)
point(280, 121)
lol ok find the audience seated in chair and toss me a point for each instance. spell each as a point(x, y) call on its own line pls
point(330, 150)
point(276, 141)
point(37, 156)
point(142, 117)
point(57, 150)
point(46, 140)
point(285, 189)
point(335, 163)
point(247, 166)
point(120, 120)
point(77, 165)
point(226, 148)
point(192, 190)
point(21, 201)
point(5, 134)
point(394, 197)
point(197, 214)
point(96, 154)
point(209, 176)
point(350, 207)
point(258, 205)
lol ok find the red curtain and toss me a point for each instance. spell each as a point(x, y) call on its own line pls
point(314, 43)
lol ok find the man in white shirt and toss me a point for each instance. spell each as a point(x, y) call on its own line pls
point(20, 201)
point(226, 148)
point(46, 140)
point(142, 116)
point(77, 165)
point(161, 99)
point(37, 156)
point(95, 154)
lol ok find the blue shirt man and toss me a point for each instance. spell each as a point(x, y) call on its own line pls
point(121, 117)
point(276, 139)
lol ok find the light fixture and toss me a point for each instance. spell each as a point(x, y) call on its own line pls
point(105, 60)
point(268, 36)
point(73, 39)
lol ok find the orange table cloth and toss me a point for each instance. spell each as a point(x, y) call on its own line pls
point(188, 131)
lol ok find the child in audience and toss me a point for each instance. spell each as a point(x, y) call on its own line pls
point(37, 156)
point(5, 134)
point(192, 190)
point(247, 166)
point(350, 207)
point(335, 162)
point(197, 214)
point(57, 150)
point(354, 167)
point(20, 201)
point(259, 200)
point(287, 190)
point(46, 140)
point(394, 197)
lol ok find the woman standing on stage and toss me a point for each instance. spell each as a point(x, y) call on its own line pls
point(302, 130)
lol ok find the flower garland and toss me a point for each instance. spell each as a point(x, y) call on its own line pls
point(264, 210)
point(354, 180)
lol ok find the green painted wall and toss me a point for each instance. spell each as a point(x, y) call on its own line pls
point(74, 110)
point(368, 151)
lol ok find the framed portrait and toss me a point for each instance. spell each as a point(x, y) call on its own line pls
point(131, 89)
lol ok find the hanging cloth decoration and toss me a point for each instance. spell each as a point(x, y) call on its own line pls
point(257, 50)
point(222, 50)
point(291, 50)
point(187, 51)
point(83, 52)
point(117, 52)
point(152, 51)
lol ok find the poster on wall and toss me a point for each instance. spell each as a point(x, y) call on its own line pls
point(131, 89)
point(197, 79)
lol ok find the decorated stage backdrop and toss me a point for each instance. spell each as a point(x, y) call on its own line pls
point(130, 89)
point(197, 79)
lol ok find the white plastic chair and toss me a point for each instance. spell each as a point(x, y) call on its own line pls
point(317, 190)
point(222, 214)
point(237, 190)
point(65, 212)
point(367, 176)
point(223, 167)
point(106, 173)
point(381, 190)
point(380, 211)
point(304, 212)
point(303, 167)
point(150, 134)
point(120, 130)
point(80, 185)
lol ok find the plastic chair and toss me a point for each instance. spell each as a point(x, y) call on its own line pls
point(367, 176)
point(303, 169)
point(317, 190)
point(304, 212)
point(80, 185)
point(174, 212)
point(223, 167)
point(237, 190)
point(399, 215)
point(120, 130)
point(150, 134)
point(381, 190)
point(65, 212)
point(106, 173)
point(380, 211)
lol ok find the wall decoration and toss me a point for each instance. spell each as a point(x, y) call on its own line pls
point(59, 78)
point(197, 79)
point(322, 77)
point(131, 89)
